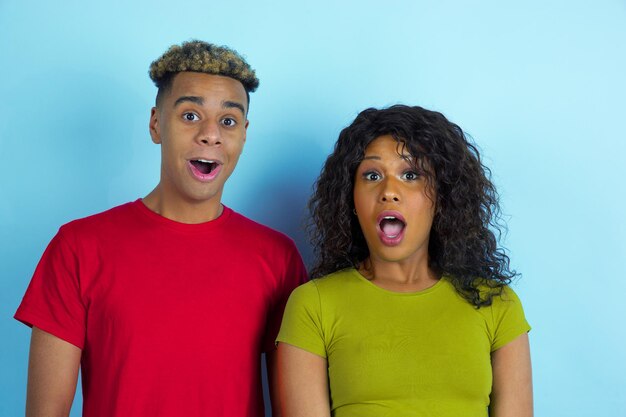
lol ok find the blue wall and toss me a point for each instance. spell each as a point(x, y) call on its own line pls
point(540, 85)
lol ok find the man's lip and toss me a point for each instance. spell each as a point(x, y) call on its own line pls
point(199, 175)
point(205, 158)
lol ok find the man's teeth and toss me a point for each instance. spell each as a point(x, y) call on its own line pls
point(206, 161)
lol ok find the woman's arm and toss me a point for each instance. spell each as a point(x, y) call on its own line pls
point(271, 367)
point(302, 382)
point(512, 393)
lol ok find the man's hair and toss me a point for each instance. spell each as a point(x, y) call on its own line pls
point(199, 56)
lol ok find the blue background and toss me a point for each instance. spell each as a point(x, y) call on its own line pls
point(540, 85)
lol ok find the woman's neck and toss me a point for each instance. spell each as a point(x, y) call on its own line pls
point(399, 276)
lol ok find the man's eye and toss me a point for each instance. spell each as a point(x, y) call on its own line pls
point(191, 117)
point(371, 176)
point(229, 122)
point(410, 175)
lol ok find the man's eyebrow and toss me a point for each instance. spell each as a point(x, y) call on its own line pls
point(233, 105)
point(227, 104)
point(192, 99)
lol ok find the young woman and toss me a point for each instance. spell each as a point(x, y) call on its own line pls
point(412, 315)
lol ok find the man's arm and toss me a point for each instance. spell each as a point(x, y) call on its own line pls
point(302, 383)
point(512, 393)
point(52, 375)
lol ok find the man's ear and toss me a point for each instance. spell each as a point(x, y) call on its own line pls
point(245, 134)
point(155, 129)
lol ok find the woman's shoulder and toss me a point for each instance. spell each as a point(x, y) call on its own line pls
point(330, 285)
point(500, 294)
point(504, 300)
point(319, 294)
point(336, 280)
point(496, 297)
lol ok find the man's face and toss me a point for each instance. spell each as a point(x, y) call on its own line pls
point(201, 127)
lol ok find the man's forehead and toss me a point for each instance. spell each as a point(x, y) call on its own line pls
point(200, 101)
point(202, 88)
point(191, 79)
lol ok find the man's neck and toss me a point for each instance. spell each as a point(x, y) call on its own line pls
point(189, 212)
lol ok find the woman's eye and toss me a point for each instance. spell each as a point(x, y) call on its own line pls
point(228, 122)
point(371, 176)
point(191, 117)
point(410, 175)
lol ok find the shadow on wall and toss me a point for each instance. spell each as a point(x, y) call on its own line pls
point(280, 196)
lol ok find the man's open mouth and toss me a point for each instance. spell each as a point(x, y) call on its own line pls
point(391, 226)
point(204, 166)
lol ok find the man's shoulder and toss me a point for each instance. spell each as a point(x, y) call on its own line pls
point(115, 217)
point(253, 229)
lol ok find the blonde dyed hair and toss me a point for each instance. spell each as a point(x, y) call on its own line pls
point(199, 56)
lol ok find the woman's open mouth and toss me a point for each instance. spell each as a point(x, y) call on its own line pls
point(391, 227)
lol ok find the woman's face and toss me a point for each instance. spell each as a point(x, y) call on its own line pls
point(392, 202)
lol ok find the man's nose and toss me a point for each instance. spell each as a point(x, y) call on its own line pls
point(210, 133)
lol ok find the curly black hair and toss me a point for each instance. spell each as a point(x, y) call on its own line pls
point(462, 244)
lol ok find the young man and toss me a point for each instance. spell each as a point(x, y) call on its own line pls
point(166, 303)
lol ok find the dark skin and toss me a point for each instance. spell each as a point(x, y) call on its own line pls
point(386, 182)
point(200, 115)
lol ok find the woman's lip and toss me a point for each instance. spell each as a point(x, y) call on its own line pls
point(204, 177)
point(390, 241)
point(390, 213)
point(386, 240)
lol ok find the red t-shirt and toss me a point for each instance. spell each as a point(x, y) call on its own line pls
point(171, 317)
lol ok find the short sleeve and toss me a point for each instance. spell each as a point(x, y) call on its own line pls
point(53, 300)
point(295, 274)
point(302, 322)
point(508, 318)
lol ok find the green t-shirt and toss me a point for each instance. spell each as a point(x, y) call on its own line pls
point(426, 353)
